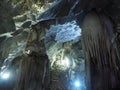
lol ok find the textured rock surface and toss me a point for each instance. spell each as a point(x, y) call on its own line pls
point(11, 53)
point(67, 58)
point(6, 21)
point(58, 46)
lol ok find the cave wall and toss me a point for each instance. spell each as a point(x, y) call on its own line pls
point(6, 21)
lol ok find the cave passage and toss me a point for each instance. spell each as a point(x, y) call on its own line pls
point(59, 45)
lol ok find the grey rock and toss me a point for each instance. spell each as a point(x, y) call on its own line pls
point(17, 32)
point(26, 24)
point(2, 38)
point(20, 18)
point(6, 21)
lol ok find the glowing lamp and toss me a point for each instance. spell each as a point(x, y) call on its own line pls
point(5, 75)
point(77, 84)
point(65, 62)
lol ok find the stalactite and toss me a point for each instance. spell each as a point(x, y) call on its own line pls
point(100, 54)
